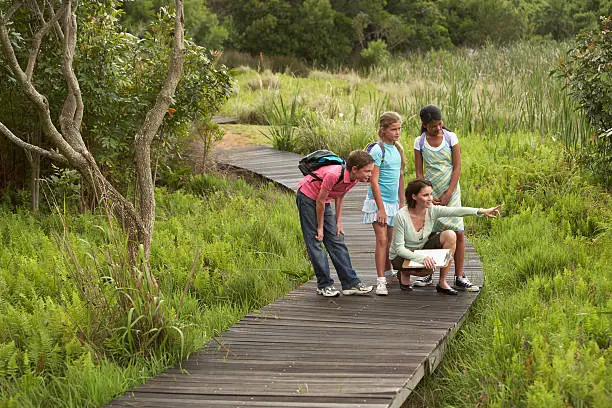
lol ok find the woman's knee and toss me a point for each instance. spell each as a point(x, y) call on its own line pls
point(448, 239)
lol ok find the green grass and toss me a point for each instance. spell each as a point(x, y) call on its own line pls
point(56, 349)
point(491, 91)
point(538, 336)
point(540, 333)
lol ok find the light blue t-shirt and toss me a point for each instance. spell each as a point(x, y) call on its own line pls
point(388, 179)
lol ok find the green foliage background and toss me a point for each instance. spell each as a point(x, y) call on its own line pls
point(119, 76)
point(57, 350)
point(333, 32)
point(540, 333)
point(587, 71)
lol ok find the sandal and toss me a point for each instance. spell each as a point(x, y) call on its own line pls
point(407, 287)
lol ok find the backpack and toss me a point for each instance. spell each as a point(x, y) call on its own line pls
point(370, 145)
point(447, 137)
point(320, 158)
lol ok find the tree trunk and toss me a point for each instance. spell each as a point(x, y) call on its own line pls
point(34, 181)
point(34, 161)
point(67, 142)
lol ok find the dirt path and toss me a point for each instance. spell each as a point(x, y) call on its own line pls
point(242, 135)
point(236, 135)
point(231, 139)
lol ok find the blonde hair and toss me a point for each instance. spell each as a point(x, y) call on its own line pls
point(387, 119)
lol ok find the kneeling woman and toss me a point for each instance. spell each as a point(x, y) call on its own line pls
point(413, 230)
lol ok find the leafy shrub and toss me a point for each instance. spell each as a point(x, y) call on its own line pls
point(283, 120)
point(64, 186)
point(375, 54)
point(207, 133)
point(596, 157)
point(588, 73)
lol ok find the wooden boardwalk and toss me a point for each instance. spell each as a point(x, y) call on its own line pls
point(305, 350)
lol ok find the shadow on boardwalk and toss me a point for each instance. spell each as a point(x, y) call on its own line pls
point(305, 350)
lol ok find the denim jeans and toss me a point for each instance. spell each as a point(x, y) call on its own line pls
point(338, 252)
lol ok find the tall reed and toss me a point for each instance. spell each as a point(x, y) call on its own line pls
point(489, 91)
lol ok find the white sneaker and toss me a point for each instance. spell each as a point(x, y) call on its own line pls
point(358, 289)
point(329, 291)
point(381, 287)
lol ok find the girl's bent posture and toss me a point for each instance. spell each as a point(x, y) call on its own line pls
point(321, 226)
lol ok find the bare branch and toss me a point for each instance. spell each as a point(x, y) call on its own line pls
point(40, 14)
point(9, 14)
point(46, 25)
point(58, 28)
point(30, 147)
point(152, 122)
point(72, 112)
point(39, 101)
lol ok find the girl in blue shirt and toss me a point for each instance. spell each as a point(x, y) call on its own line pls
point(386, 192)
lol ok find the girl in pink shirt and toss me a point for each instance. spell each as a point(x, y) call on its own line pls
point(321, 226)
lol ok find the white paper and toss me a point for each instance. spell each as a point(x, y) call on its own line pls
point(440, 256)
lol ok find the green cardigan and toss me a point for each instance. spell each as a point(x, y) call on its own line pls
point(406, 239)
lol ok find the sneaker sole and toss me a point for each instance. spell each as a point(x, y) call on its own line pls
point(355, 292)
point(336, 294)
point(421, 284)
point(468, 289)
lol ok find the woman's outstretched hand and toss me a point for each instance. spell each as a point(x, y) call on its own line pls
point(491, 212)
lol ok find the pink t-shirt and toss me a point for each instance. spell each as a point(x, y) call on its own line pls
point(329, 176)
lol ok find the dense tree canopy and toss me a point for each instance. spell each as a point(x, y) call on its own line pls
point(119, 75)
point(330, 31)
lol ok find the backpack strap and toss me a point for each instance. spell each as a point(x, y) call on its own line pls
point(341, 174)
point(447, 137)
point(380, 144)
point(382, 148)
point(317, 178)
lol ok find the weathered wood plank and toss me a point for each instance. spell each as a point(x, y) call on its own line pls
point(304, 350)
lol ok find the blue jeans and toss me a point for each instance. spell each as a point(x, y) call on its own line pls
point(338, 252)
